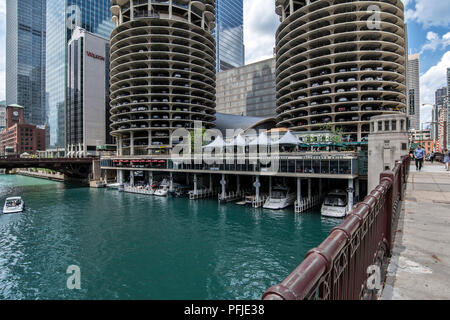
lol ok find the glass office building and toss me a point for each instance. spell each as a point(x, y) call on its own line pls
point(62, 18)
point(229, 34)
point(25, 57)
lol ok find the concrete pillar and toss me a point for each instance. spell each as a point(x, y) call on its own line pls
point(309, 189)
point(132, 143)
point(120, 146)
point(150, 178)
point(210, 182)
point(257, 185)
point(120, 176)
point(357, 189)
point(238, 184)
point(350, 191)
point(131, 10)
point(195, 184)
point(270, 186)
point(149, 141)
point(171, 182)
point(320, 188)
point(299, 190)
point(132, 178)
point(223, 182)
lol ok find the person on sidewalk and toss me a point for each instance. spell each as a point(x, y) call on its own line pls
point(419, 155)
point(432, 156)
point(447, 159)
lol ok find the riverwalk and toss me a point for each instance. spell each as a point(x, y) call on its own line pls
point(420, 265)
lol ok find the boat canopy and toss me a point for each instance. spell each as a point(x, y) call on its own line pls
point(288, 139)
point(217, 143)
point(262, 139)
point(238, 141)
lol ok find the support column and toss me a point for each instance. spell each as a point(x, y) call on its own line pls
point(132, 178)
point(195, 184)
point(171, 182)
point(309, 189)
point(210, 182)
point(270, 186)
point(357, 189)
point(150, 178)
point(120, 145)
point(257, 185)
point(223, 182)
point(120, 177)
point(299, 190)
point(320, 188)
point(238, 184)
point(350, 191)
point(131, 143)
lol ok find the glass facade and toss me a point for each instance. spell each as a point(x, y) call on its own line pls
point(229, 34)
point(62, 18)
point(25, 57)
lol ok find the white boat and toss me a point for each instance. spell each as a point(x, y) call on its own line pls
point(163, 189)
point(113, 185)
point(13, 205)
point(335, 204)
point(280, 198)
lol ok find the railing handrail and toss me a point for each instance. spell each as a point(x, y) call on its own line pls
point(316, 268)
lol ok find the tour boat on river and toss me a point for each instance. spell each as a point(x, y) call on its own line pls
point(13, 205)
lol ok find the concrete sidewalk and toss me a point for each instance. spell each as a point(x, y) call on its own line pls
point(420, 263)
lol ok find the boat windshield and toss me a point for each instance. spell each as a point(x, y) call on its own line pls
point(335, 201)
point(276, 194)
point(12, 203)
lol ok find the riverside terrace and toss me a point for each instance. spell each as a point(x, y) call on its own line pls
point(331, 165)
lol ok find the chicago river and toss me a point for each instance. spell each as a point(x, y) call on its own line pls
point(131, 246)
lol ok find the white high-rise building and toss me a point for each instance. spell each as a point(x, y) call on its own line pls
point(86, 96)
point(414, 91)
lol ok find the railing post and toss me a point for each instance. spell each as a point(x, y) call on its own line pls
point(388, 207)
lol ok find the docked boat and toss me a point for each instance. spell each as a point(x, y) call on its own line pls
point(280, 198)
point(335, 204)
point(13, 205)
point(180, 191)
point(163, 189)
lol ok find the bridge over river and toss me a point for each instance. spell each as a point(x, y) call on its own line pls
point(72, 168)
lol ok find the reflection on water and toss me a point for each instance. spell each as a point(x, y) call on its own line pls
point(138, 247)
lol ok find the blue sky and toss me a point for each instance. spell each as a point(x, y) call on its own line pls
point(428, 34)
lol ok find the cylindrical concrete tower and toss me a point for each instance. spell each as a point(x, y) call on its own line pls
point(162, 71)
point(339, 62)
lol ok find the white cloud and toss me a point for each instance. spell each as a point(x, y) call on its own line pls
point(429, 12)
point(435, 42)
point(260, 25)
point(433, 79)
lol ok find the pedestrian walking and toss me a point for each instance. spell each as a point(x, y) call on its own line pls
point(419, 155)
point(432, 157)
point(447, 159)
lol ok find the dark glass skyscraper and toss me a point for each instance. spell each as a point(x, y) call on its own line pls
point(25, 57)
point(229, 34)
point(62, 18)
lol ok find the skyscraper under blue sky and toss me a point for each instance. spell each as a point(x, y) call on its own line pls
point(229, 34)
point(25, 57)
point(62, 17)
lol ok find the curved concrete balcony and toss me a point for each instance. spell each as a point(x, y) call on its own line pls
point(162, 71)
point(333, 68)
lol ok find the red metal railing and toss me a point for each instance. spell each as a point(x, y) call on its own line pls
point(337, 268)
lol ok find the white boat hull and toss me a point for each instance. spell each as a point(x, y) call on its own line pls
point(334, 212)
point(161, 193)
point(13, 210)
point(278, 204)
